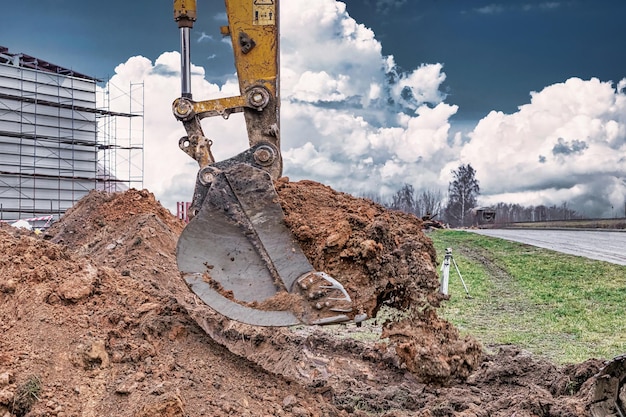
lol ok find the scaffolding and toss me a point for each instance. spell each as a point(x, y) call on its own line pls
point(56, 143)
point(121, 137)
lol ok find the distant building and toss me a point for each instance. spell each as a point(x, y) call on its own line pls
point(483, 216)
point(50, 138)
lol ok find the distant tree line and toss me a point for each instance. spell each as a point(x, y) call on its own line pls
point(424, 203)
point(511, 213)
point(460, 205)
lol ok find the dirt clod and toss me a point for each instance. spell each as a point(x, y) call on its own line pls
point(97, 310)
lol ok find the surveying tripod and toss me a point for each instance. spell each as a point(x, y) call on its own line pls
point(445, 268)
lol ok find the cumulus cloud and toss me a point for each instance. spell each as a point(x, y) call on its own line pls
point(169, 172)
point(352, 120)
point(566, 145)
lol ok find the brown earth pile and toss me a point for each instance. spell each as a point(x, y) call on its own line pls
point(96, 321)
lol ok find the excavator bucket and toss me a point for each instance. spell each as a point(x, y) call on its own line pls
point(240, 258)
point(237, 254)
point(609, 392)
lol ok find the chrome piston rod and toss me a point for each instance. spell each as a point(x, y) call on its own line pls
point(185, 63)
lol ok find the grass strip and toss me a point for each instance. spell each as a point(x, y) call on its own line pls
point(563, 307)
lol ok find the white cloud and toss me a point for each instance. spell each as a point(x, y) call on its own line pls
point(419, 86)
point(491, 9)
point(566, 145)
point(320, 86)
point(550, 5)
point(384, 6)
point(495, 8)
point(168, 171)
point(379, 125)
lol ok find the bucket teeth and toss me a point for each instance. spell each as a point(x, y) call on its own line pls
point(329, 302)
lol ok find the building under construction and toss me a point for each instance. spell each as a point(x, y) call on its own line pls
point(59, 138)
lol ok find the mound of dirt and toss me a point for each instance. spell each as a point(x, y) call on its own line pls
point(96, 321)
point(383, 258)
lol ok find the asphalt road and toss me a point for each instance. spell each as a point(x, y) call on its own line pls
point(600, 245)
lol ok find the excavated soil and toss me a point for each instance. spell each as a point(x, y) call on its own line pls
point(96, 321)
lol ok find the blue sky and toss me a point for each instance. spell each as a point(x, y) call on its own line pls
point(528, 92)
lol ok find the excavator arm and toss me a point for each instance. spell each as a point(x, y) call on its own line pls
point(253, 28)
point(236, 253)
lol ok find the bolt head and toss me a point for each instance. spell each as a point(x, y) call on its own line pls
point(264, 155)
point(257, 98)
point(206, 176)
point(183, 108)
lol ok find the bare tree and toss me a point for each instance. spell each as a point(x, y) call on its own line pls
point(404, 199)
point(462, 193)
point(511, 213)
point(429, 203)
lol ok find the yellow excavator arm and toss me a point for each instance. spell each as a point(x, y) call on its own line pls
point(253, 28)
point(236, 253)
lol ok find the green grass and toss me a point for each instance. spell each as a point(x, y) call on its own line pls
point(26, 396)
point(563, 307)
